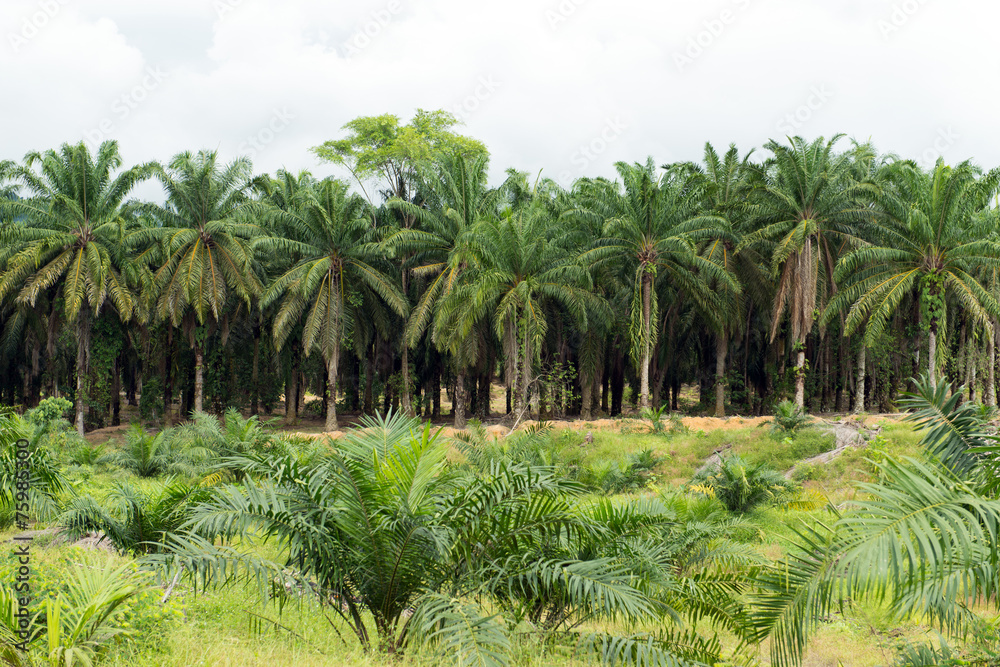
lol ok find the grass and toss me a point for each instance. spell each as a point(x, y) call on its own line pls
point(218, 631)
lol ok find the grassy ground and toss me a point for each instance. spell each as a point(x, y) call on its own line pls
point(218, 630)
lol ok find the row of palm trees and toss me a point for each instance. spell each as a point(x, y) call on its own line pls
point(801, 261)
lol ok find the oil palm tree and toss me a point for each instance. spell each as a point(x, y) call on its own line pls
point(204, 251)
point(339, 260)
point(921, 540)
point(726, 178)
point(392, 541)
point(516, 271)
point(69, 232)
point(927, 247)
point(457, 199)
point(806, 205)
point(652, 224)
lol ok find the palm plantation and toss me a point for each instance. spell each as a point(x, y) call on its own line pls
point(70, 237)
point(815, 275)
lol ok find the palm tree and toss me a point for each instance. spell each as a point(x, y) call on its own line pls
point(204, 246)
point(724, 197)
point(69, 232)
point(134, 520)
point(921, 540)
point(390, 540)
point(339, 261)
point(652, 223)
point(459, 199)
point(927, 247)
point(806, 205)
point(516, 270)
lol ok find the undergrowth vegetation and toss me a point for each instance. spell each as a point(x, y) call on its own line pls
point(639, 544)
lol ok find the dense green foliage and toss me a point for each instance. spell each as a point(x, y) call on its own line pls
point(821, 271)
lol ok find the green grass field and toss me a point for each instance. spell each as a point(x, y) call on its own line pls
point(232, 627)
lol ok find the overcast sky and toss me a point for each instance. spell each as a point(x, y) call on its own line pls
point(566, 87)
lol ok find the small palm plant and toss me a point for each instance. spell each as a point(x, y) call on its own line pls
point(393, 541)
point(47, 480)
point(788, 418)
point(135, 520)
point(236, 436)
point(78, 624)
point(655, 418)
point(150, 455)
point(742, 486)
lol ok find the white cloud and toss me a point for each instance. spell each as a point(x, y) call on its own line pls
point(231, 65)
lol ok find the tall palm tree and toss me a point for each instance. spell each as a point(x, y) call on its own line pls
point(69, 232)
point(515, 271)
point(205, 246)
point(330, 233)
point(806, 205)
point(458, 199)
point(928, 247)
point(652, 223)
point(726, 190)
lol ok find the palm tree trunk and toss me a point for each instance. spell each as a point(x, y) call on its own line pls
point(721, 349)
point(647, 326)
point(292, 393)
point(800, 377)
point(991, 382)
point(859, 396)
point(199, 378)
point(82, 364)
point(932, 353)
point(116, 391)
point(458, 405)
point(331, 385)
point(254, 374)
point(405, 400)
point(586, 393)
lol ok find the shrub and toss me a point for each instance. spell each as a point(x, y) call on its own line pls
point(788, 418)
point(741, 486)
point(50, 410)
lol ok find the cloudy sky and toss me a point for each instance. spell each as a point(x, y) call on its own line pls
point(568, 87)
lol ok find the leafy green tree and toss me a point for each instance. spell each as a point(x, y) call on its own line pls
point(68, 232)
point(203, 250)
point(339, 259)
point(805, 204)
point(928, 248)
point(652, 223)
